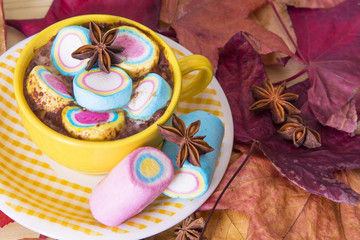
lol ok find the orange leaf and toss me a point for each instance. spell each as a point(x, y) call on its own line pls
point(2, 29)
point(312, 3)
point(226, 225)
point(266, 17)
point(281, 210)
point(204, 26)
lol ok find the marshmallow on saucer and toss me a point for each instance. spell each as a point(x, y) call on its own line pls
point(47, 90)
point(89, 125)
point(150, 94)
point(66, 42)
point(130, 186)
point(190, 181)
point(141, 54)
point(99, 91)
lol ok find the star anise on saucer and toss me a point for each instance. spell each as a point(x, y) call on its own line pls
point(101, 49)
point(191, 147)
point(190, 228)
point(274, 99)
point(300, 134)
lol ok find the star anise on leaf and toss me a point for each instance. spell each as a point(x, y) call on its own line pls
point(191, 147)
point(190, 228)
point(274, 98)
point(101, 49)
point(300, 134)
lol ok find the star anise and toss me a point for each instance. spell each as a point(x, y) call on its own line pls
point(191, 147)
point(300, 134)
point(274, 99)
point(190, 228)
point(101, 49)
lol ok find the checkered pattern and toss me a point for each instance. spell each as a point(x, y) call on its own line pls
point(28, 185)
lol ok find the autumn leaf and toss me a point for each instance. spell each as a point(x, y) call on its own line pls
point(239, 68)
point(313, 169)
point(312, 3)
point(279, 209)
point(329, 43)
point(2, 29)
point(226, 225)
point(269, 19)
point(4, 219)
point(146, 12)
point(205, 26)
point(266, 17)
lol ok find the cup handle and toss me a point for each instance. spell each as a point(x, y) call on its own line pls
point(198, 82)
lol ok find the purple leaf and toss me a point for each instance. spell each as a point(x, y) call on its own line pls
point(239, 68)
point(146, 12)
point(329, 41)
point(312, 169)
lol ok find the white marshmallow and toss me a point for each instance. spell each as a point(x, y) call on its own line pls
point(150, 94)
point(66, 42)
point(47, 90)
point(99, 91)
point(141, 53)
point(94, 126)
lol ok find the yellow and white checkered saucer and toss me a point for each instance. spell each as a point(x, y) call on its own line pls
point(53, 200)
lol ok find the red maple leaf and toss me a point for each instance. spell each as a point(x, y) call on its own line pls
point(146, 12)
point(4, 219)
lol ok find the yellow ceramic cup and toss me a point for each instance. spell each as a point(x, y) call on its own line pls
point(101, 157)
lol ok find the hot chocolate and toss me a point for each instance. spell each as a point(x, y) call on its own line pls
point(50, 88)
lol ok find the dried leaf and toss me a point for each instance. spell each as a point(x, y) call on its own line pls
point(205, 26)
point(4, 219)
point(281, 210)
point(226, 225)
point(146, 12)
point(329, 41)
point(239, 68)
point(266, 17)
point(2, 29)
point(312, 3)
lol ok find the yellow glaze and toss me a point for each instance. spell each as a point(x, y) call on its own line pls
point(149, 168)
point(102, 156)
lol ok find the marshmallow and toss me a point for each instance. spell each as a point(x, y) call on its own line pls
point(92, 125)
point(47, 90)
point(130, 186)
point(99, 91)
point(66, 42)
point(150, 94)
point(141, 53)
point(190, 181)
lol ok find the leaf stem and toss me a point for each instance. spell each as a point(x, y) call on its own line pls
point(227, 185)
point(292, 77)
point(299, 53)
